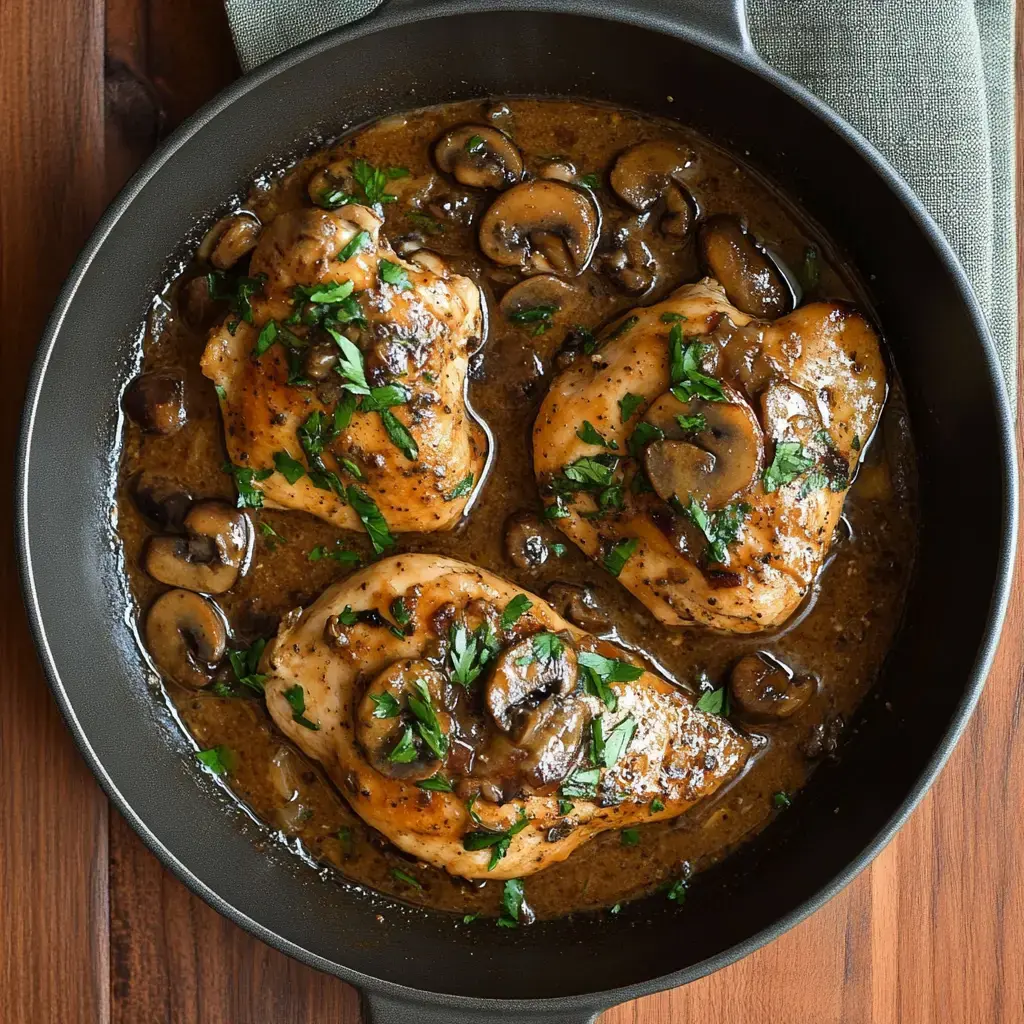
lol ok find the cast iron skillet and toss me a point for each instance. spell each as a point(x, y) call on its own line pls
point(419, 966)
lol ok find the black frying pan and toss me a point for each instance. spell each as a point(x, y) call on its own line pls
point(417, 965)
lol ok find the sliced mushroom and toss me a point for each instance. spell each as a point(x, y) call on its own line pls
point(207, 560)
point(721, 457)
point(521, 681)
point(763, 689)
point(197, 306)
point(536, 301)
point(161, 501)
point(789, 413)
point(578, 605)
point(655, 170)
point(186, 637)
point(631, 266)
point(230, 239)
point(319, 360)
point(525, 542)
point(557, 169)
point(480, 156)
point(388, 723)
point(156, 401)
point(541, 226)
point(427, 259)
point(551, 737)
point(750, 279)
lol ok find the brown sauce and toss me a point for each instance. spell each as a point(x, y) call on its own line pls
point(840, 634)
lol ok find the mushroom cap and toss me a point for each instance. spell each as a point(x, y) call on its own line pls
point(209, 559)
point(156, 401)
point(186, 637)
point(764, 689)
point(551, 736)
point(538, 291)
point(480, 156)
point(521, 682)
point(714, 464)
point(542, 226)
point(379, 735)
point(231, 238)
point(645, 172)
point(750, 279)
point(788, 412)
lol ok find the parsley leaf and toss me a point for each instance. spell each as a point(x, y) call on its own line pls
point(589, 472)
point(350, 364)
point(244, 664)
point(404, 751)
point(248, 496)
point(392, 273)
point(684, 368)
point(720, 528)
point(291, 469)
point(619, 553)
point(546, 646)
point(629, 837)
point(627, 325)
point(422, 220)
point(512, 897)
point(337, 554)
point(781, 800)
point(273, 537)
point(541, 317)
point(789, 462)
point(467, 655)
point(399, 434)
point(672, 318)
point(715, 702)
point(461, 489)
point(657, 806)
point(589, 434)
point(220, 760)
point(296, 698)
point(497, 842)
point(517, 607)
point(385, 705)
point(581, 784)
point(371, 518)
point(591, 181)
point(693, 424)
point(427, 723)
point(615, 743)
point(474, 144)
point(436, 784)
point(404, 876)
point(358, 242)
point(677, 890)
point(374, 181)
point(643, 434)
point(266, 337)
point(600, 672)
point(628, 405)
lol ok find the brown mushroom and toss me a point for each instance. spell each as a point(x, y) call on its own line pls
point(160, 500)
point(524, 677)
point(525, 541)
point(750, 279)
point(551, 736)
point(712, 451)
point(197, 306)
point(207, 560)
point(427, 259)
point(763, 689)
point(543, 227)
point(578, 605)
point(480, 156)
point(319, 360)
point(230, 239)
point(536, 301)
point(789, 413)
point(655, 170)
point(186, 637)
point(557, 169)
point(631, 266)
point(397, 741)
point(156, 401)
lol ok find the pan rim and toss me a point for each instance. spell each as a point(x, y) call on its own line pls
point(382, 21)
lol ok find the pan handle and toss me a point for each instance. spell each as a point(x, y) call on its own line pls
point(262, 29)
point(381, 1009)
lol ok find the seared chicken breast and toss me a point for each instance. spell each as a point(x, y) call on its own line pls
point(477, 729)
point(342, 384)
point(703, 457)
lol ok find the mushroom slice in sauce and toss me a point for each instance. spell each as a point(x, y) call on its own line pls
point(741, 266)
point(541, 226)
point(209, 559)
point(186, 637)
point(523, 678)
point(650, 171)
point(479, 156)
point(156, 402)
point(763, 689)
point(230, 239)
point(400, 723)
point(720, 458)
point(535, 302)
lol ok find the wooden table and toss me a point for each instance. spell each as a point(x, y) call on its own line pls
point(92, 928)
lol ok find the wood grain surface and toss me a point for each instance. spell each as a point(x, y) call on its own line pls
point(93, 929)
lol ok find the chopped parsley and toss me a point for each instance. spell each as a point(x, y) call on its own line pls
point(393, 274)
point(630, 837)
point(790, 461)
point(600, 672)
point(558, 549)
point(399, 434)
point(400, 612)
point(565, 806)
point(514, 610)
point(469, 918)
point(644, 434)
point(619, 554)
point(540, 317)
point(436, 784)
point(589, 434)
point(296, 698)
point(220, 760)
point(720, 528)
point(267, 337)
point(350, 364)
point(627, 325)
point(273, 537)
point(781, 801)
point(248, 496)
point(657, 806)
point(470, 651)
point(431, 225)
point(385, 705)
point(371, 517)
point(474, 144)
point(693, 424)
point(556, 510)
point(357, 243)
point(512, 897)
point(461, 489)
point(238, 291)
point(589, 472)
point(688, 381)
point(628, 405)
point(337, 554)
point(373, 181)
point(672, 318)
point(497, 842)
point(715, 702)
point(246, 662)
point(676, 892)
point(608, 750)
point(543, 647)
point(404, 876)
point(404, 751)
point(427, 724)
point(591, 181)
point(581, 784)
point(291, 469)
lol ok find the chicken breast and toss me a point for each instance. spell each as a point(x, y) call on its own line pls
point(342, 386)
point(703, 457)
point(477, 729)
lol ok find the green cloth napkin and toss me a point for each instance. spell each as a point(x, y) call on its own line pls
point(929, 82)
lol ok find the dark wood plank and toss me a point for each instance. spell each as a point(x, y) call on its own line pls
point(53, 841)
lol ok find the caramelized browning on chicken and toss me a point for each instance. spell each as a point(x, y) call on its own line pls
point(703, 457)
point(342, 383)
point(476, 728)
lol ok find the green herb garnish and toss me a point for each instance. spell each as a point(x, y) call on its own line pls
point(427, 724)
point(672, 318)
point(629, 837)
point(512, 897)
point(628, 405)
point(540, 317)
point(296, 698)
point(619, 554)
point(291, 469)
point(245, 664)
point(715, 702)
point(497, 842)
point(248, 496)
point(393, 274)
point(514, 610)
point(436, 784)
point(474, 144)
point(461, 489)
point(385, 705)
point(359, 241)
point(627, 325)
point(403, 876)
point(404, 751)
point(781, 801)
point(643, 434)
point(688, 380)
point(790, 461)
point(581, 784)
point(693, 424)
point(220, 760)
point(657, 806)
point(371, 517)
point(720, 528)
point(589, 434)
